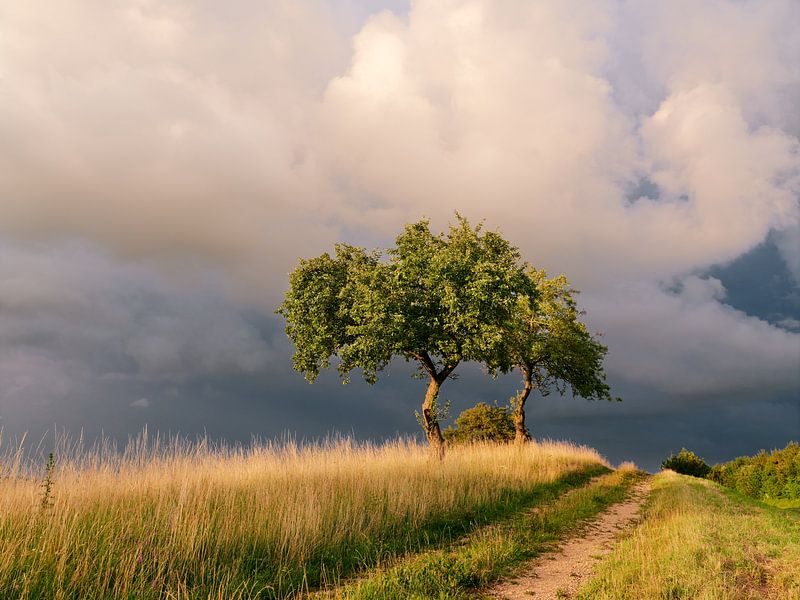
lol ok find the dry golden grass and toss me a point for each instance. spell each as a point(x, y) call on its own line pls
point(627, 466)
point(188, 520)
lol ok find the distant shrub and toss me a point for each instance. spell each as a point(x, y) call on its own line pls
point(482, 423)
point(687, 463)
point(773, 476)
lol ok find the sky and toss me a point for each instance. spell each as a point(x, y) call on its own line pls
point(164, 165)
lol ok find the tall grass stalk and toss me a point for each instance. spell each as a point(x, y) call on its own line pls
point(172, 519)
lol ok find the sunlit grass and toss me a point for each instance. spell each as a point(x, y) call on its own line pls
point(175, 519)
point(491, 552)
point(783, 503)
point(700, 541)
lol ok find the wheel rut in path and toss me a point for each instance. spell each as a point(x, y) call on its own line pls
point(559, 574)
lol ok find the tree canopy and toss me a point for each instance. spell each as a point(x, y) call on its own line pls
point(435, 299)
point(552, 348)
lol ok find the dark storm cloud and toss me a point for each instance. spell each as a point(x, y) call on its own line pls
point(760, 283)
point(76, 325)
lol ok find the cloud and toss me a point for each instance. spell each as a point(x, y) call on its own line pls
point(788, 240)
point(235, 140)
point(687, 342)
point(459, 106)
point(166, 129)
point(74, 320)
point(140, 403)
point(790, 323)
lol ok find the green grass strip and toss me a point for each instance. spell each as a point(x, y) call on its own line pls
point(699, 540)
point(369, 553)
point(490, 552)
point(330, 570)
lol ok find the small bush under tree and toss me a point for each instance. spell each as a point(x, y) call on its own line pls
point(482, 423)
point(686, 463)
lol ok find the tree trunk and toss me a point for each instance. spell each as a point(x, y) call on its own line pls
point(432, 429)
point(521, 434)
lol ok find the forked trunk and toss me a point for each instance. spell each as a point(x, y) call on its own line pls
point(432, 429)
point(521, 434)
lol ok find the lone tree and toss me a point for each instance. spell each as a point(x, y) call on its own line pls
point(436, 300)
point(552, 348)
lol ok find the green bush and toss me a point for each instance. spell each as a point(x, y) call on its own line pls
point(481, 423)
point(687, 463)
point(773, 476)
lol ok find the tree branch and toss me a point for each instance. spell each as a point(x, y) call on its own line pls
point(449, 368)
point(425, 361)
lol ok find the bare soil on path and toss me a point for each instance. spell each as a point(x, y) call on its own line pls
point(559, 574)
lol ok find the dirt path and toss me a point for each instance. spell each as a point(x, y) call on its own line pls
point(561, 573)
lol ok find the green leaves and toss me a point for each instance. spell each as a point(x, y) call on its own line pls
point(436, 299)
point(551, 346)
point(456, 292)
point(318, 307)
point(482, 423)
point(686, 462)
point(439, 300)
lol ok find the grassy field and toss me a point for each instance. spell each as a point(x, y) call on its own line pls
point(349, 521)
point(190, 521)
point(702, 541)
point(484, 556)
